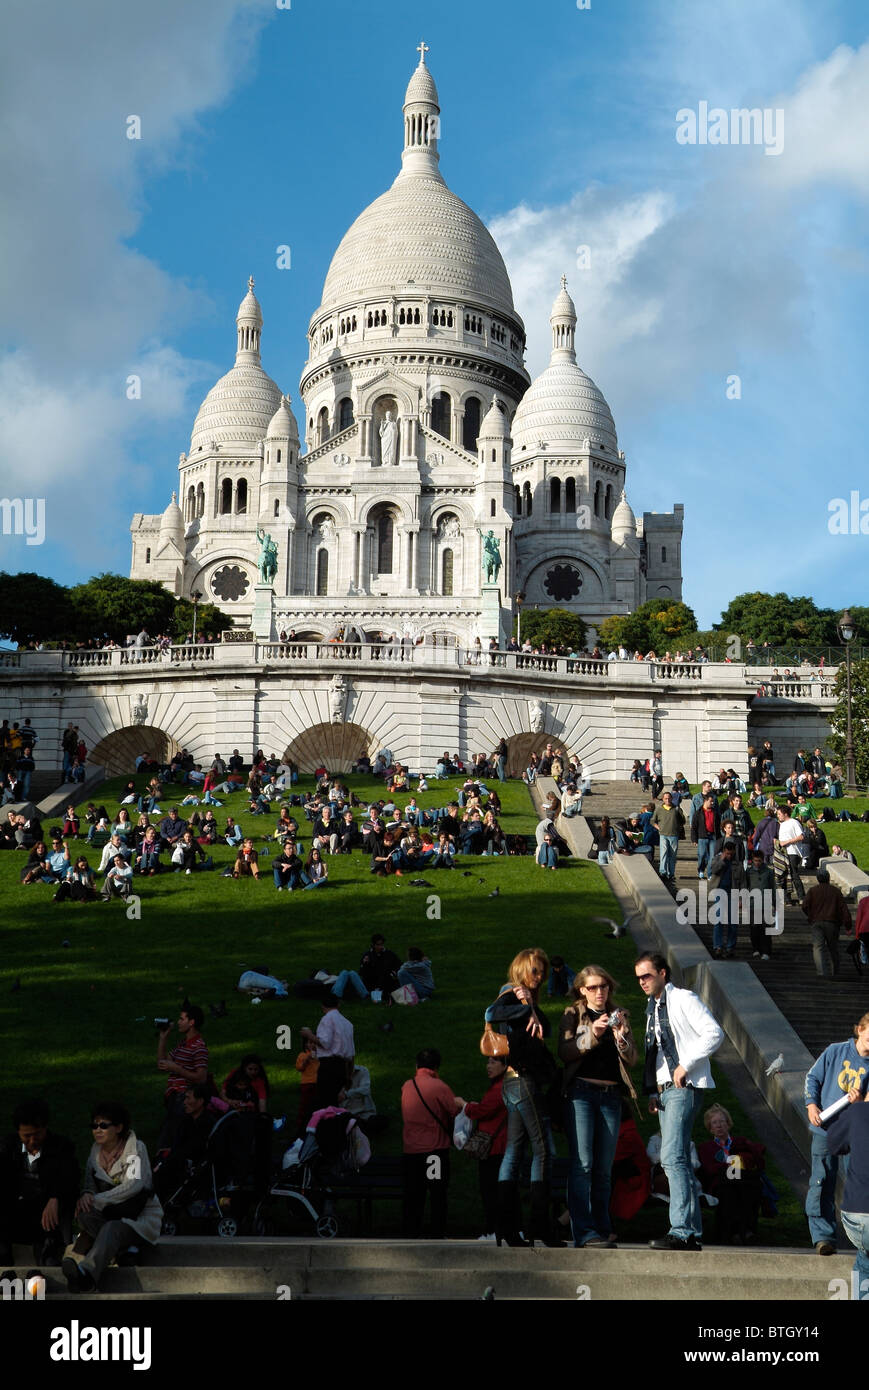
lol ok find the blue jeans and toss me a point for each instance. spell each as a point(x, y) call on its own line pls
point(548, 857)
point(605, 856)
point(349, 977)
point(821, 1196)
point(677, 1109)
point(406, 977)
point(705, 855)
point(722, 910)
point(572, 810)
point(669, 848)
point(592, 1120)
point(521, 1098)
point(856, 1224)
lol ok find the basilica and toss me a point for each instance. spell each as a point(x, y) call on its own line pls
point(423, 434)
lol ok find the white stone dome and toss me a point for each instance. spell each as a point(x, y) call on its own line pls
point(495, 423)
point(172, 522)
point(283, 423)
point(563, 407)
point(421, 232)
point(624, 523)
point(237, 411)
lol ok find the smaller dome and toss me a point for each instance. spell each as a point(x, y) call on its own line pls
point(249, 310)
point(624, 523)
point(563, 307)
point(172, 520)
point(495, 422)
point(283, 423)
point(421, 87)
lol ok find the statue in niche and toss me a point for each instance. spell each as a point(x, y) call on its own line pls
point(491, 556)
point(536, 716)
point(449, 529)
point(389, 441)
point(139, 713)
point(337, 694)
point(268, 557)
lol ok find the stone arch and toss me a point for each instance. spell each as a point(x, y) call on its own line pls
point(400, 505)
point(336, 510)
point(118, 751)
point(387, 385)
point(335, 746)
point(521, 746)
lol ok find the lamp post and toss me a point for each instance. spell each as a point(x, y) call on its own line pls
point(847, 631)
point(196, 595)
point(519, 599)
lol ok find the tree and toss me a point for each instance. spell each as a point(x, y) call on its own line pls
point(111, 605)
point(33, 608)
point(554, 626)
point(779, 620)
point(658, 625)
point(859, 718)
point(208, 619)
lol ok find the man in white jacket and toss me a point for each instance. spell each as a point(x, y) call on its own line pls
point(681, 1036)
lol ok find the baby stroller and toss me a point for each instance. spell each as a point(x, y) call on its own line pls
point(332, 1150)
point(220, 1186)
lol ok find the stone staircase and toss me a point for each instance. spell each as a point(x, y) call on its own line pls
point(183, 1268)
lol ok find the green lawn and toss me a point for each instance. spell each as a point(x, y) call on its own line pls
point(80, 1028)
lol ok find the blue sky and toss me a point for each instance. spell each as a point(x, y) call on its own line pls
point(263, 126)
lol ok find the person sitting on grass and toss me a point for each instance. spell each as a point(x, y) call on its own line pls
point(287, 827)
point(148, 860)
point(37, 869)
point(315, 869)
point(247, 861)
point(172, 827)
point(471, 834)
point(78, 883)
point(99, 825)
point(493, 835)
point(416, 971)
point(349, 837)
point(444, 853)
point(247, 1086)
point(232, 834)
point(123, 826)
point(119, 879)
point(71, 822)
point(114, 847)
point(547, 854)
point(208, 829)
point(379, 967)
point(288, 870)
point(324, 835)
point(149, 801)
point(189, 855)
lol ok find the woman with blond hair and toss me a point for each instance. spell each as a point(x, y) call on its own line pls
point(597, 1047)
point(530, 1072)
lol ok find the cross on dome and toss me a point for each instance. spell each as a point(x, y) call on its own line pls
point(251, 282)
point(563, 282)
point(422, 49)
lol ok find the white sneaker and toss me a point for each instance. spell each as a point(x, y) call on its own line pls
point(188, 871)
point(489, 1237)
point(280, 890)
point(764, 957)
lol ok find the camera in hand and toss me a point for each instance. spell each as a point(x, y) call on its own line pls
point(161, 1022)
point(614, 1019)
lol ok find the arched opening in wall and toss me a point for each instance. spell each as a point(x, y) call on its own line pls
point(148, 555)
point(598, 494)
point(322, 572)
point(118, 752)
point(277, 510)
point(570, 494)
point(447, 574)
point(555, 494)
point(190, 504)
point(380, 444)
point(241, 496)
point(200, 500)
point(608, 502)
point(226, 497)
point(323, 426)
point(345, 413)
point(517, 501)
point(471, 424)
point(493, 507)
point(526, 499)
point(333, 746)
point(441, 413)
point(521, 746)
point(385, 539)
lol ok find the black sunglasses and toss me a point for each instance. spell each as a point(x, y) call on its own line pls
point(102, 1124)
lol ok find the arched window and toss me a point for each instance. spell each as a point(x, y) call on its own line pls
point(663, 555)
point(447, 573)
point(241, 496)
point(570, 494)
point(345, 413)
point(471, 424)
point(190, 505)
point(608, 502)
point(555, 494)
point(277, 506)
point(279, 455)
point(526, 499)
point(200, 500)
point(148, 561)
point(492, 507)
point(440, 414)
point(226, 497)
point(598, 489)
point(517, 501)
point(322, 573)
point(323, 426)
point(385, 535)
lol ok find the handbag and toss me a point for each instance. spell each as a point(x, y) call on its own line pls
point(494, 1044)
point(405, 994)
point(480, 1143)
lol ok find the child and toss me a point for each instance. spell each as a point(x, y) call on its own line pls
point(308, 1065)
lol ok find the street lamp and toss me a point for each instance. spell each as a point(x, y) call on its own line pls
point(519, 599)
point(196, 595)
point(847, 629)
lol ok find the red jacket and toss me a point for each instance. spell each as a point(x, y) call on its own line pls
point(491, 1116)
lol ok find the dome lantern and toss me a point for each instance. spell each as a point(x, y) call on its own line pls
point(421, 123)
point(249, 322)
point(563, 321)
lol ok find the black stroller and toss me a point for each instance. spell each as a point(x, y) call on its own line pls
point(221, 1186)
point(334, 1148)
